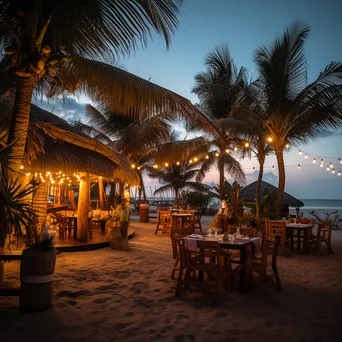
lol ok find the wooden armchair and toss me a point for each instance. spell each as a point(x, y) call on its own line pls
point(164, 221)
point(278, 228)
point(261, 264)
point(62, 225)
point(323, 235)
point(189, 221)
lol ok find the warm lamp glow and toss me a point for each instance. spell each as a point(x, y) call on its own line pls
point(21, 167)
point(287, 145)
point(269, 139)
point(339, 173)
point(322, 161)
point(300, 153)
point(139, 167)
point(328, 168)
point(235, 149)
point(314, 161)
point(321, 165)
point(246, 144)
point(178, 163)
point(133, 166)
point(331, 165)
point(340, 160)
point(333, 171)
point(190, 161)
point(306, 156)
point(206, 157)
point(227, 150)
point(195, 159)
point(217, 154)
point(166, 164)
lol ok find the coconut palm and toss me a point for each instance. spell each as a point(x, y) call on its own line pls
point(54, 47)
point(219, 89)
point(291, 109)
point(136, 138)
point(177, 177)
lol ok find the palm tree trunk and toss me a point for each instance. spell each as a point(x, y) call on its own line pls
point(221, 184)
point(142, 186)
point(281, 181)
point(20, 120)
point(258, 187)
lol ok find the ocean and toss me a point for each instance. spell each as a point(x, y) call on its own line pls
point(321, 204)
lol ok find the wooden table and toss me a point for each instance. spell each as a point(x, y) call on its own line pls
point(101, 221)
point(305, 228)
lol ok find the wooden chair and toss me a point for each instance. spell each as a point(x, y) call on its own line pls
point(262, 226)
point(177, 234)
point(261, 265)
point(206, 259)
point(244, 231)
point(323, 235)
point(62, 225)
point(189, 221)
point(278, 228)
point(164, 221)
point(298, 236)
point(197, 218)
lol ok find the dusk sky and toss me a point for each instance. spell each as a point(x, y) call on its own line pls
point(244, 25)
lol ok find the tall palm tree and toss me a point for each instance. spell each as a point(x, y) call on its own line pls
point(291, 109)
point(136, 138)
point(58, 46)
point(178, 177)
point(219, 89)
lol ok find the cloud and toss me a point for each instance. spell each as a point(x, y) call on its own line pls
point(67, 108)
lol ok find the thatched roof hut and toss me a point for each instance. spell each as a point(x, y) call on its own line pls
point(249, 191)
point(53, 144)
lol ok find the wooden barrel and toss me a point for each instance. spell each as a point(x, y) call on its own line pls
point(36, 276)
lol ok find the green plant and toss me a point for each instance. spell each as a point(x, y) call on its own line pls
point(15, 210)
point(235, 203)
point(333, 217)
point(268, 205)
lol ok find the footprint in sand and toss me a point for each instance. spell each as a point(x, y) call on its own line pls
point(71, 302)
point(129, 314)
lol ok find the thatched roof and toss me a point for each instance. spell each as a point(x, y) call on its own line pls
point(53, 144)
point(249, 191)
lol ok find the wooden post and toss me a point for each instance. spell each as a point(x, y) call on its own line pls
point(101, 193)
point(83, 206)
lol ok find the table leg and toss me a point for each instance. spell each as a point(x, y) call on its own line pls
point(298, 239)
point(103, 226)
point(305, 241)
point(75, 229)
point(242, 279)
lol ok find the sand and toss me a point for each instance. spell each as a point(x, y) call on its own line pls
point(108, 295)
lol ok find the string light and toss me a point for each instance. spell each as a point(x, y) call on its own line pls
point(195, 159)
point(322, 161)
point(227, 150)
point(331, 165)
point(190, 161)
point(178, 163)
point(298, 166)
point(206, 157)
point(328, 168)
point(269, 139)
point(166, 164)
point(217, 154)
point(306, 156)
point(314, 161)
point(133, 166)
point(287, 145)
point(339, 173)
point(321, 165)
point(21, 167)
point(235, 149)
point(300, 153)
point(333, 171)
point(340, 160)
point(139, 167)
point(247, 144)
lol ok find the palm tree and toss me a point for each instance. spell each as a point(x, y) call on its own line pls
point(291, 109)
point(54, 47)
point(137, 139)
point(219, 89)
point(177, 177)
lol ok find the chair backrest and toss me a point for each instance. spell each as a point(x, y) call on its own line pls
point(177, 234)
point(163, 208)
point(276, 228)
point(164, 215)
point(270, 247)
point(304, 221)
point(324, 227)
point(243, 231)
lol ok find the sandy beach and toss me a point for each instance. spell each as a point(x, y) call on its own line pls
point(108, 295)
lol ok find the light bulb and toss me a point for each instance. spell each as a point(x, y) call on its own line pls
point(177, 163)
point(328, 168)
point(190, 161)
point(195, 159)
point(287, 145)
point(235, 149)
point(331, 165)
point(306, 156)
point(133, 166)
point(21, 167)
point(206, 157)
point(270, 139)
point(340, 160)
point(339, 173)
point(321, 165)
point(300, 153)
point(246, 144)
point(298, 166)
point(217, 154)
point(333, 171)
point(139, 167)
point(227, 150)
point(166, 164)
point(322, 161)
point(314, 161)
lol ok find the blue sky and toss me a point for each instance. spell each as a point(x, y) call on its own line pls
point(244, 25)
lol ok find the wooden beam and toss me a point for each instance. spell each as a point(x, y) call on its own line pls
point(83, 207)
